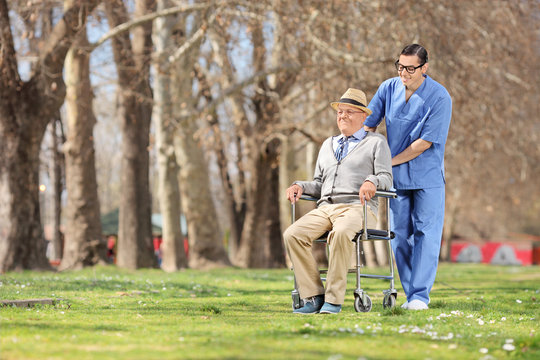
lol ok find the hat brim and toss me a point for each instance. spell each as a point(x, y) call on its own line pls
point(363, 108)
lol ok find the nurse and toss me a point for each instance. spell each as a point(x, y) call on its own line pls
point(417, 110)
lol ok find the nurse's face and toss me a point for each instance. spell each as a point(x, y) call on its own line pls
point(414, 80)
point(350, 119)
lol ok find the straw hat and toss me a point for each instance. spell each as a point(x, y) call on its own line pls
point(353, 97)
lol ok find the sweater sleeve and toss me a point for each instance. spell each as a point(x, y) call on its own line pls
point(382, 165)
point(313, 188)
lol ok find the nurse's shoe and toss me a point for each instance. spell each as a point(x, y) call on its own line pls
point(405, 305)
point(417, 305)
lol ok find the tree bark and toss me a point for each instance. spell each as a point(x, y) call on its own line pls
point(235, 204)
point(135, 247)
point(25, 110)
point(205, 239)
point(173, 254)
point(57, 241)
point(84, 242)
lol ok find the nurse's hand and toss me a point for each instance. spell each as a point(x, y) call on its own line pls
point(372, 129)
point(367, 191)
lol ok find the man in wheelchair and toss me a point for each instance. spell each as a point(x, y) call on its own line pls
point(350, 168)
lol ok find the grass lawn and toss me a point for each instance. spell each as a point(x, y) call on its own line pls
point(476, 312)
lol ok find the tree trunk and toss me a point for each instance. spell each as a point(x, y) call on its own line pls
point(25, 110)
point(57, 241)
point(235, 205)
point(84, 242)
point(135, 247)
point(173, 254)
point(206, 248)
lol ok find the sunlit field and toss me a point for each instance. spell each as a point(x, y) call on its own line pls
point(476, 312)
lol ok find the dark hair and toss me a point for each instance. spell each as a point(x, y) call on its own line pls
point(415, 49)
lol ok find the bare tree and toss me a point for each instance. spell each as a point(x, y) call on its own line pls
point(25, 110)
point(132, 56)
point(174, 257)
point(84, 242)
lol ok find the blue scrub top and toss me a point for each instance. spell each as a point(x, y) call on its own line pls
point(425, 116)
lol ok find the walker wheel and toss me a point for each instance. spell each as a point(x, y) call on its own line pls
point(359, 306)
point(297, 303)
point(389, 301)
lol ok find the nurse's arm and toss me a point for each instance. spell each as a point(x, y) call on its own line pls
point(415, 149)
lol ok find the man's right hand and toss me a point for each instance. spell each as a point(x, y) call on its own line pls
point(294, 192)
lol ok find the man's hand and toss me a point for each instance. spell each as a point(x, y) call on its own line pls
point(367, 191)
point(294, 192)
point(372, 129)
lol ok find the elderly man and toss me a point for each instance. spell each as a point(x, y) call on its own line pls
point(350, 168)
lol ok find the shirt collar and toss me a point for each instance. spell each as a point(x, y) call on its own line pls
point(357, 136)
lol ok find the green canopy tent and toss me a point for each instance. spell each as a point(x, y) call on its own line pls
point(109, 224)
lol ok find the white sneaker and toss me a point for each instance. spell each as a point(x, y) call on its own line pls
point(405, 305)
point(417, 305)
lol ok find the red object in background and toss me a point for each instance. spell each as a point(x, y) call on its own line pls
point(456, 248)
point(157, 243)
point(536, 254)
point(527, 253)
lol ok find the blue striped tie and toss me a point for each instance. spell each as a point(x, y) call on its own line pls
point(342, 149)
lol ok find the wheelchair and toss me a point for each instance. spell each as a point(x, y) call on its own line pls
point(362, 301)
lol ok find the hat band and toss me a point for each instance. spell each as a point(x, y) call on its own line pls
point(351, 101)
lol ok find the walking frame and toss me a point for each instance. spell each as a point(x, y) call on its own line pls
point(362, 302)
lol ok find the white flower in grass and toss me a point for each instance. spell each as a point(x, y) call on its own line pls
point(509, 347)
point(478, 335)
point(509, 341)
point(492, 321)
point(480, 322)
point(519, 301)
point(503, 319)
point(452, 346)
point(483, 350)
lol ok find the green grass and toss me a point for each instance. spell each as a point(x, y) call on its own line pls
point(109, 313)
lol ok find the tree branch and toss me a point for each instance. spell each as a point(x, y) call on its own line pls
point(211, 106)
point(149, 17)
point(346, 57)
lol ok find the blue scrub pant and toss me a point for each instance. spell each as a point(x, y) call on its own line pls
point(417, 218)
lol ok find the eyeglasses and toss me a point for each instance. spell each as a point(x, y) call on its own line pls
point(410, 69)
point(348, 113)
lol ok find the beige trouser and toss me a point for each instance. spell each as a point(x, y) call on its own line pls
point(343, 221)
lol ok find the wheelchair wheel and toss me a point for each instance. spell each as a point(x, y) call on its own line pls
point(359, 306)
point(389, 301)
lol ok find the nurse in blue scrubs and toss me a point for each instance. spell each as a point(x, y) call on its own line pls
point(417, 110)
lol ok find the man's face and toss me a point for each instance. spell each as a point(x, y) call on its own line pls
point(411, 81)
point(350, 119)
